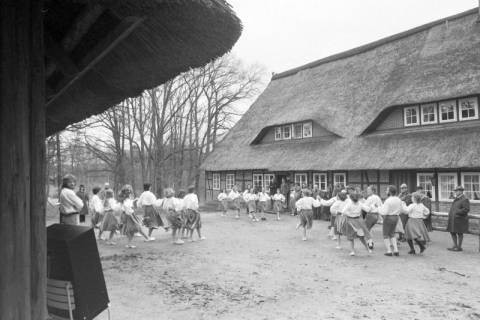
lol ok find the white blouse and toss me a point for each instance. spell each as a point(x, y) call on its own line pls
point(233, 195)
point(307, 203)
point(338, 206)
point(416, 210)
point(263, 197)
point(222, 196)
point(391, 207)
point(352, 209)
point(278, 197)
point(372, 204)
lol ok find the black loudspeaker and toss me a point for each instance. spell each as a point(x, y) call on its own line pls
point(72, 255)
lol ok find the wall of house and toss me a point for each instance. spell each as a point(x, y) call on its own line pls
point(317, 131)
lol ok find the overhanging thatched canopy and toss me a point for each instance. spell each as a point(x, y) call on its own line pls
point(99, 52)
point(346, 92)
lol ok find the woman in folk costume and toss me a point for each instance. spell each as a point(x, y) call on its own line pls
point(223, 198)
point(415, 229)
point(355, 226)
point(151, 218)
point(193, 222)
point(251, 201)
point(329, 203)
point(235, 196)
point(110, 222)
point(173, 208)
point(370, 206)
point(304, 208)
point(339, 219)
point(263, 199)
point(96, 207)
point(183, 232)
point(292, 197)
point(278, 202)
point(427, 202)
point(390, 211)
point(132, 223)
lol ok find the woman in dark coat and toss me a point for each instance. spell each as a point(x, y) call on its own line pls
point(458, 218)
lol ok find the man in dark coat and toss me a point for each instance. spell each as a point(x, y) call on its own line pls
point(458, 218)
point(406, 197)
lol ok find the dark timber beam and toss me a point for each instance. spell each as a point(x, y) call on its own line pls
point(22, 161)
point(123, 30)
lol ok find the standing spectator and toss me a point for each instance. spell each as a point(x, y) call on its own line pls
point(285, 190)
point(97, 209)
point(458, 218)
point(273, 189)
point(406, 197)
point(70, 203)
point(84, 196)
point(427, 202)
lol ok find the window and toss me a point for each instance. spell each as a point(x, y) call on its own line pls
point(307, 129)
point(297, 132)
point(258, 181)
point(216, 181)
point(468, 108)
point(429, 113)
point(339, 178)
point(301, 179)
point(446, 184)
point(320, 179)
point(230, 181)
point(448, 111)
point(278, 133)
point(287, 131)
point(267, 179)
point(471, 183)
point(425, 180)
point(411, 116)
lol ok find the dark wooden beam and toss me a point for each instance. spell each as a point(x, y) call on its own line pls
point(123, 30)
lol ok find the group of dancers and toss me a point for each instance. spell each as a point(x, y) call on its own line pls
point(119, 215)
point(353, 215)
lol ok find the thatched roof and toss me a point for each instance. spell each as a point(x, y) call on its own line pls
point(346, 92)
point(99, 52)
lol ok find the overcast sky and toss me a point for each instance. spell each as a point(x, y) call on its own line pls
point(281, 34)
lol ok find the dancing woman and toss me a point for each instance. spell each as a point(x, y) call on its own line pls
point(132, 223)
point(355, 226)
point(390, 211)
point(305, 207)
point(415, 229)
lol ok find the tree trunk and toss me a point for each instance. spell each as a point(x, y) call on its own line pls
point(22, 172)
point(59, 163)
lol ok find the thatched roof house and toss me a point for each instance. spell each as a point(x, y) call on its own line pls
point(61, 62)
point(355, 102)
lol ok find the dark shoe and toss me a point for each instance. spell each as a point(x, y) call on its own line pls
point(452, 249)
point(412, 252)
point(457, 249)
point(388, 254)
point(422, 248)
point(396, 254)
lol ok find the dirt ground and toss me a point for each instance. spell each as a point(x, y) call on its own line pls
point(262, 270)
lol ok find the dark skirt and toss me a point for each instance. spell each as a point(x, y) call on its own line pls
point(252, 206)
point(175, 219)
point(237, 203)
point(404, 218)
point(151, 218)
point(192, 219)
point(132, 225)
point(389, 226)
point(306, 218)
point(262, 206)
point(277, 206)
point(225, 205)
point(97, 219)
point(340, 224)
point(416, 230)
point(355, 228)
point(110, 222)
point(371, 219)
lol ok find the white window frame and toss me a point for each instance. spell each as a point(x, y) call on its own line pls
point(435, 112)
point(319, 179)
point(299, 181)
point(216, 181)
point(427, 174)
point(293, 131)
point(475, 108)
point(455, 183)
point(455, 113)
point(271, 177)
point(232, 176)
point(340, 174)
point(405, 116)
point(255, 178)
point(465, 185)
point(283, 132)
point(278, 130)
point(306, 124)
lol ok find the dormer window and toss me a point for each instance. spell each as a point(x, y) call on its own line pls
point(468, 109)
point(307, 129)
point(411, 117)
point(448, 111)
point(297, 131)
point(429, 113)
point(278, 133)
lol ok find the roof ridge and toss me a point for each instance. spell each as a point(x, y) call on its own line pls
point(372, 45)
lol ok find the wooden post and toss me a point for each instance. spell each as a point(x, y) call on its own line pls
point(22, 161)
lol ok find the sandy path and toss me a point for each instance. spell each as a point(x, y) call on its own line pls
point(263, 270)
